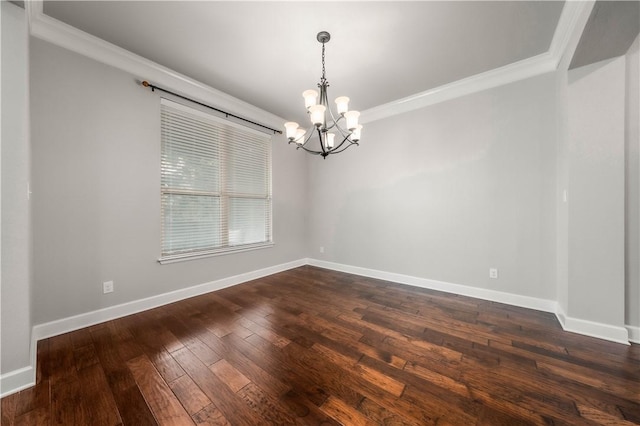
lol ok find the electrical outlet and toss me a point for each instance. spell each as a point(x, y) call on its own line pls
point(107, 287)
point(321, 249)
point(493, 273)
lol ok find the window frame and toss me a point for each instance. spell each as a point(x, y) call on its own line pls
point(222, 194)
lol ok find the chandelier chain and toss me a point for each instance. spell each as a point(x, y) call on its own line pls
point(323, 79)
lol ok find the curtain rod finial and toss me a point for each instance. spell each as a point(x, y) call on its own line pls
point(145, 83)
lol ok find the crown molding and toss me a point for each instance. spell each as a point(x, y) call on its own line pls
point(520, 70)
point(568, 26)
point(527, 68)
point(56, 32)
point(71, 38)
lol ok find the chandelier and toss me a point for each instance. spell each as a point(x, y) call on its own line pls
point(334, 135)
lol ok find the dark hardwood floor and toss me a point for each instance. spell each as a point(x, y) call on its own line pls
point(311, 346)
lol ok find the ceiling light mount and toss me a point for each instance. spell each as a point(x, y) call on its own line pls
point(334, 134)
point(323, 37)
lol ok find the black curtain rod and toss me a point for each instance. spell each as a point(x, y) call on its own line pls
point(227, 114)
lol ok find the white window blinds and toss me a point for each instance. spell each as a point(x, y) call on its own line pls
point(215, 184)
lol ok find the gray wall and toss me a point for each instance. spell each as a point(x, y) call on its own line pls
point(596, 102)
point(96, 159)
point(632, 157)
point(443, 193)
point(448, 191)
point(562, 186)
point(16, 213)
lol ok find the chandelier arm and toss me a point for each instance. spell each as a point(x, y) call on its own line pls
point(308, 134)
point(332, 126)
point(346, 147)
point(338, 146)
point(344, 133)
point(331, 112)
point(324, 151)
point(335, 122)
point(333, 118)
point(307, 138)
point(310, 151)
point(346, 138)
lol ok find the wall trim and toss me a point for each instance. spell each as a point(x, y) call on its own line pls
point(567, 26)
point(65, 325)
point(17, 380)
point(634, 333)
point(561, 315)
point(463, 290)
point(608, 332)
point(527, 68)
point(593, 329)
point(23, 378)
point(584, 327)
point(49, 29)
point(516, 71)
point(56, 32)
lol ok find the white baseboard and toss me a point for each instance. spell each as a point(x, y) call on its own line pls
point(463, 290)
point(561, 315)
point(593, 329)
point(584, 327)
point(17, 380)
point(23, 378)
point(65, 325)
point(634, 333)
point(596, 329)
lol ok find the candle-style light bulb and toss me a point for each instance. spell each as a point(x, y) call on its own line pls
point(317, 114)
point(355, 135)
point(291, 128)
point(310, 98)
point(299, 139)
point(352, 119)
point(342, 104)
point(330, 139)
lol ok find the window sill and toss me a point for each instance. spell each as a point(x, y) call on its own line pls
point(211, 253)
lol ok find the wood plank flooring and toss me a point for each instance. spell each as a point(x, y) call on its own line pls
point(311, 346)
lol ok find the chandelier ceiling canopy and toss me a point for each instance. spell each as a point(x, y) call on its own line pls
point(329, 133)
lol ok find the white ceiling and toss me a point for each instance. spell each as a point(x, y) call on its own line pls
point(266, 53)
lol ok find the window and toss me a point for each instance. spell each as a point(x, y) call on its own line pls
point(215, 185)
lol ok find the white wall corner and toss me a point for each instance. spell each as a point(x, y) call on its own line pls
point(612, 333)
point(634, 333)
point(34, 9)
point(594, 329)
point(561, 315)
point(573, 20)
point(569, 29)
